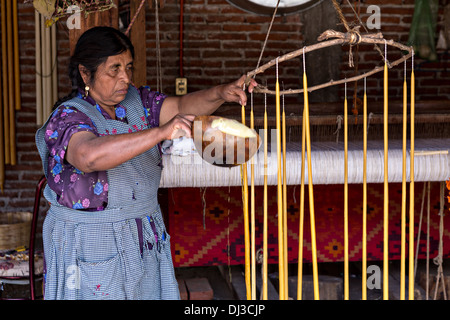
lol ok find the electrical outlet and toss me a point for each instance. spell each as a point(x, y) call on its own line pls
point(180, 86)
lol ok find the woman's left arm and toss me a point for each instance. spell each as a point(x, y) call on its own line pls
point(206, 101)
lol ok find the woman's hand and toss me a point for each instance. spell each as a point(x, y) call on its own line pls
point(234, 92)
point(178, 126)
point(205, 102)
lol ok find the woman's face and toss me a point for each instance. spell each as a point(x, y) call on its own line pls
point(111, 80)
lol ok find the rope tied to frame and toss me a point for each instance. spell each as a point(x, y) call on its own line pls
point(134, 18)
point(339, 120)
point(351, 37)
point(354, 32)
point(354, 36)
point(438, 260)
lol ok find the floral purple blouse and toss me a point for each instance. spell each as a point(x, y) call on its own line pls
point(74, 188)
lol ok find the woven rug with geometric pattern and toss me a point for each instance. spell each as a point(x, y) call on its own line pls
point(207, 226)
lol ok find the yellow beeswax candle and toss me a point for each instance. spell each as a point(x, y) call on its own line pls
point(386, 190)
point(311, 194)
point(403, 207)
point(302, 212)
point(411, 191)
point(285, 256)
point(364, 231)
point(280, 197)
point(265, 253)
point(246, 222)
point(346, 278)
point(252, 215)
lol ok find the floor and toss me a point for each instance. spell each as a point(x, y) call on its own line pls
point(228, 282)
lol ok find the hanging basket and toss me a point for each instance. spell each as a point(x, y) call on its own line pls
point(15, 229)
point(87, 6)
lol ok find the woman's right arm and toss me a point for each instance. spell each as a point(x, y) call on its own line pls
point(88, 152)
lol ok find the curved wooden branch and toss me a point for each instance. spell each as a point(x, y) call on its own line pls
point(351, 38)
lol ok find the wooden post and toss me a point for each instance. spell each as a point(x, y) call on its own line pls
point(37, 39)
point(5, 85)
point(16, 57)
point(2, 143)
point(137, 37)
point(11, 91)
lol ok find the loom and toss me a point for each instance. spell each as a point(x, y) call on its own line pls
point(432, 163)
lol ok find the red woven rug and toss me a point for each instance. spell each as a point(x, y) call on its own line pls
point(207, 225)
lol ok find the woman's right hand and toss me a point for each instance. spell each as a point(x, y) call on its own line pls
point(178, 126)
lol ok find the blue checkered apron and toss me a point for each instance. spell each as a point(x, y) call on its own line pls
point(122, 252)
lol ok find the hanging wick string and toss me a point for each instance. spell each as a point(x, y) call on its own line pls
point(404, 75)
point(265, 101)
point(345, 90)
point(251, 99)
point(277, 68)
point(365, 92)
point(304, 64)
point(267, 37)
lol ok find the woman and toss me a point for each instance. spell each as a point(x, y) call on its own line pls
point(104, 237)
